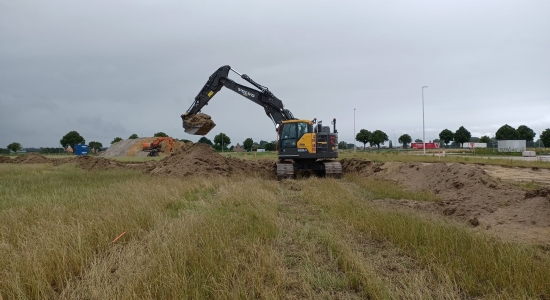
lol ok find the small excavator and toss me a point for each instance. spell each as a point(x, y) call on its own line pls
point(301, 144)
point(155, 147)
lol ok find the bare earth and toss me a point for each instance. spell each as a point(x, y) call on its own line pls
point(482, 197)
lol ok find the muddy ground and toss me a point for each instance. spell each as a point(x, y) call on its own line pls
point(485, 198)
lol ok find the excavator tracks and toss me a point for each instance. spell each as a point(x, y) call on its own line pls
point(285, 170)
point(331, 169)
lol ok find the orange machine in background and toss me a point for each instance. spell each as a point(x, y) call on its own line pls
point(156, 146)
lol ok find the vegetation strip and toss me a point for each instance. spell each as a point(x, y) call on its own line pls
point(479, 265)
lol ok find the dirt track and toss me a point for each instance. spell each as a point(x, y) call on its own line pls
point(482, 197)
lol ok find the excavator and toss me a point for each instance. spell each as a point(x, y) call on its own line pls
point(301, 144)
point(156, 146)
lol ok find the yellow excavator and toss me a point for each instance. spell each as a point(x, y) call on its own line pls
point(301, 144)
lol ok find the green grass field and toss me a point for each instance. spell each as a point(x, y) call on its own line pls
point(241, 237)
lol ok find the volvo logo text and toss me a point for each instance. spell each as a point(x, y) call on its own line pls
point(245, 93)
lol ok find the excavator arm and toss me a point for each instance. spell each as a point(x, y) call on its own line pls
point(273, 107)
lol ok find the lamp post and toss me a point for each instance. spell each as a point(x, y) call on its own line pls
point(354, 148)
point(423, 133)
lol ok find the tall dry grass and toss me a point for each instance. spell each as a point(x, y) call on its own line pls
point(479, 266)
point(239, 237)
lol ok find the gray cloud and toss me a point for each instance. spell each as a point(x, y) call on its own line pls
point(110, 69)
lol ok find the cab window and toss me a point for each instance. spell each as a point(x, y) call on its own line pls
point(288, 135)
point(302, 129)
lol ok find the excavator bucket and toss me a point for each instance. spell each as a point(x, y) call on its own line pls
point(199, 124)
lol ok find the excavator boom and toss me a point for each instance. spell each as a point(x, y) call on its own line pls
point(196, 124)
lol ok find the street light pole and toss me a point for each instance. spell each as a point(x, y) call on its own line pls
point(354, 147)
point(423, 132)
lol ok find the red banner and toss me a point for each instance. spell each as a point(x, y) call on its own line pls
point(421, 145)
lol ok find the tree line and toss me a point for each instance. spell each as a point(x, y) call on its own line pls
point(222, 141)
point(375, 138)
point(460, 136)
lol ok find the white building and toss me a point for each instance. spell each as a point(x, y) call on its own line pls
point(512, 145)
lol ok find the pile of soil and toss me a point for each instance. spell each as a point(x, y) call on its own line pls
point(134, 147)
point(201, 160)
point(119, 148)
point(5, 160)
point(31, 158)
point(91, 163)
point(468, 194)
point(199, 119)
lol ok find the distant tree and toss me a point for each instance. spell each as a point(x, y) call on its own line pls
point(247, 144)
point(405, 139)
point(418, 141)
point(446, 136)
point(95, 145)
point(204, 140)
point(474, 139)
point(222, 139)
point(342, 145)
point(133, 137)
point(116, 140)
point(363, 136)
point(462, 135)
point(160, 134)
point(507, 132)
point(14, 147)
point(270, 146)
point(526, 133)
point(390, 146)
point(262, 144)
point(485, 139)
point(378, 137)
point(72, 139)
point(545, 137)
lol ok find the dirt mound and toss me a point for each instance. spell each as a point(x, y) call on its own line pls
point(119, 148)
point(5, 160)
point(201, 160)
point(542, 192)
point(31, 158)
point(360, 166)
point(97, 163)
point(470, 195)
point(134, 147)
point(199, 119)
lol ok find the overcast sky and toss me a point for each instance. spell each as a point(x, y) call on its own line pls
point(113, 68)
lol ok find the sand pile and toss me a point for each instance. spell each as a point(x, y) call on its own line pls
point(201, 160)
point(469, 194)
point(31, 158)
point(134, 147)
point(5, 160)
point(119, 148)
